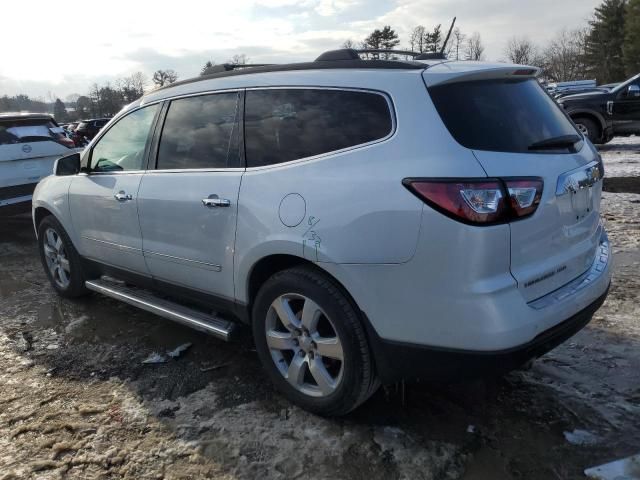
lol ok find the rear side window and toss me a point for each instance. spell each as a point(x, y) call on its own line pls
point(288, 124)
point(500, 115)
point(27, 131)
point(200, 132)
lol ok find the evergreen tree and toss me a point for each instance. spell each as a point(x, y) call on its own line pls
point(384, 39)
point(433, 40)
point(604, 43)
point(59, 111)
point(631, 48)
point(207, 69)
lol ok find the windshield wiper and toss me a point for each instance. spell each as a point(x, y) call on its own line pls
point(563, 141)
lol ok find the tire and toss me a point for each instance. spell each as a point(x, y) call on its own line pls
point(589, 128)
point(60, 259)
point(330, 328)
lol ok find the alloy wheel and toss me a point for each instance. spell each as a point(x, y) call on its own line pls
point(56, 257)
point(304, 344)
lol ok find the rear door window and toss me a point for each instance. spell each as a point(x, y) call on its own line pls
point(289, 124)
point(201, 132)
point(500, 115)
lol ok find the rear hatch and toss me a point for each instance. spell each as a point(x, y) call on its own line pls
point(516, 130)
point(28, 149)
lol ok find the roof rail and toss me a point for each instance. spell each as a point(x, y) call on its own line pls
point(227, 67)
point(431, 56)
point(352, 54)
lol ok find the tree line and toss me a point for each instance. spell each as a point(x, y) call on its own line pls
point(607, 49)
point(101, 100)
point(461, 46)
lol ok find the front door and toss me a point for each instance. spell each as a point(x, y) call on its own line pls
point(103, 202)
point(626, 110)
point(188, 205)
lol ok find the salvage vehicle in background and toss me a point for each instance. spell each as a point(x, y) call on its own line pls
point(370, 220)
point(604, 114)
point(90, 128)
point(30, 143)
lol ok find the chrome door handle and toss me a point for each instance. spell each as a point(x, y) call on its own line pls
point(610, 107)
point(216, 202)
point(121, 196)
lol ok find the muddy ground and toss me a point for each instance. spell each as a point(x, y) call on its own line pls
point(77, 402)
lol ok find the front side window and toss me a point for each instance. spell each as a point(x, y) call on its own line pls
point(288, 124)
point(200, 132)
point(123, 146)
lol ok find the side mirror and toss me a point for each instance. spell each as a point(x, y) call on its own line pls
point(633, 91)
point(69, 165)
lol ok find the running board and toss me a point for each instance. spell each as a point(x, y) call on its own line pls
point(146, 300)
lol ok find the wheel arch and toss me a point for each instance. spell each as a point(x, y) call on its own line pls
point(38, 215)
point(592, 115)
point(271, 264)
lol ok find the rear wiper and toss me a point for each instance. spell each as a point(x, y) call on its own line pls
point(563, 141)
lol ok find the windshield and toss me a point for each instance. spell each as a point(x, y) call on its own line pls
point(622, 85)
point(500, 115)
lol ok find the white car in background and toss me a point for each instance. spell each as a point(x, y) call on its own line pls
point(30, 143)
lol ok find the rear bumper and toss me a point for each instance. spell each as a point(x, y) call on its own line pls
point(396, 361)
point(16, 199)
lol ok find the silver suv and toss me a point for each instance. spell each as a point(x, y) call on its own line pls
point(371, 220)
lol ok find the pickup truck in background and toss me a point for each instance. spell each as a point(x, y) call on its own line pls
point(602, 115)
point(30, 143)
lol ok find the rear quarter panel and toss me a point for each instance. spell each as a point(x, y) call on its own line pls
point(354, 208)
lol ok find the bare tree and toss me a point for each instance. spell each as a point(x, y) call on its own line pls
point(456, 46)
point(564, 57)
point(520, 50)
point(164, 77)
point(417, 39)
point(132, 87)
point(348, 43)
point(238, 59)
point(474, 49)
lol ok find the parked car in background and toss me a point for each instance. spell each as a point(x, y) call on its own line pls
point(370, 220)
point(30, 143)
point(89, 128)
point(601, 115)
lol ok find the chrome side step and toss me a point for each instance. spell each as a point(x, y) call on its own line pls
point(145, 300)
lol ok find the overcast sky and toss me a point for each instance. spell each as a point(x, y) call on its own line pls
point(57, 49)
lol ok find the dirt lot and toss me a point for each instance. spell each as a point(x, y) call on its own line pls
point(77, 402)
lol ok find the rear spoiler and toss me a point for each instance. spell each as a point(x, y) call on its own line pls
point(454, 72)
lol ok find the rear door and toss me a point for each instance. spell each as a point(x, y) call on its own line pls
point(189, 203)
point(516, 130)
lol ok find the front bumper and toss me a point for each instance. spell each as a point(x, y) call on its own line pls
point(401, 361)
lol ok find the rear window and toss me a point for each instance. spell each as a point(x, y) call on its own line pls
point(500, 115)
point(288, 124)
point(22, 131)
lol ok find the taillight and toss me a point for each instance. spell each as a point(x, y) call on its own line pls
point(524, 195)
point(486, 201)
